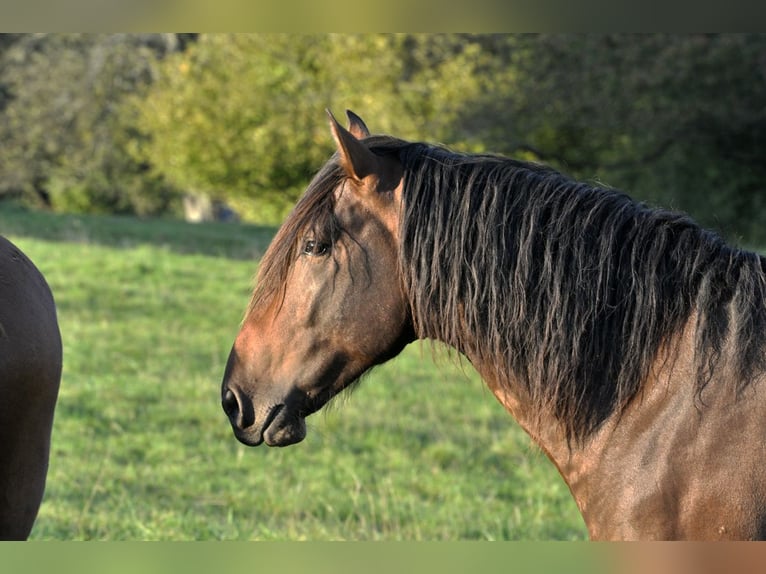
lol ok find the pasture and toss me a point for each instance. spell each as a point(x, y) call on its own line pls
point(141, 449)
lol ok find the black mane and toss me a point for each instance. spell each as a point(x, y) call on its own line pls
point(568, 288)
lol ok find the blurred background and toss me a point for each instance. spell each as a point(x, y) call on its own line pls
point(232, 126)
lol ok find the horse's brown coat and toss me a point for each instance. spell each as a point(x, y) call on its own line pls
point(671, 450)
point(30, 373)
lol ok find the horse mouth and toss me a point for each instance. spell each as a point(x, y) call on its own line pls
point(285, 427)
point(282, 427)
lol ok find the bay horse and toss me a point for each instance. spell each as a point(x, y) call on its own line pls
point(30, 374)
point(627, 341)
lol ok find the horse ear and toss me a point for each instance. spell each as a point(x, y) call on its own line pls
point(356, 125)
point(357, 160)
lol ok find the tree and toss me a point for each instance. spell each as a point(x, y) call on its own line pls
point(240, 117)
point(125, 123)
point(63, 133)
point(677, 120)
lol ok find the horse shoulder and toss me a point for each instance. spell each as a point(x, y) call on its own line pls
point(678, 464)
point(30, 374)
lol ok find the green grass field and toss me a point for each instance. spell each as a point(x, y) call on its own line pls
point(141, 449)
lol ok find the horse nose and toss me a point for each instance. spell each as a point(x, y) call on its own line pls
point(238, 407)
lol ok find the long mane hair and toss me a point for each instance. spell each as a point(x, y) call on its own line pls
point(570, 289)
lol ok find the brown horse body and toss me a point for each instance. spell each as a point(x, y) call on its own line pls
point(30, 373)
point(666, 467)
point(627, 342)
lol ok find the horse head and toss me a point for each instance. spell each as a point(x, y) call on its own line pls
point(328, 302)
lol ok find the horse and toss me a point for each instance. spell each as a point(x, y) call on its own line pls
point(30, 374)
point(625, 339)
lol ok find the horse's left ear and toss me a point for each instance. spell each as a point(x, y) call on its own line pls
point(357, 160)
point(356, 125)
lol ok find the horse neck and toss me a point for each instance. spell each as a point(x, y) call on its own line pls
point(543, 427)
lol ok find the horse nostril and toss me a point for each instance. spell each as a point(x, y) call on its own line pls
point(238, 407)
point(230, 404)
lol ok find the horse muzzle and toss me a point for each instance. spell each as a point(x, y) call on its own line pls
point(276, 425)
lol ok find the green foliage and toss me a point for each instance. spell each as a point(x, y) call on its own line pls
point(129, 123)
point(677, 120)
point(63, 132)
point(241, 116)
point(219, 119)
point(110, 183)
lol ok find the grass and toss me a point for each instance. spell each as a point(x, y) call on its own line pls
point(141, 449)
point(231, 241)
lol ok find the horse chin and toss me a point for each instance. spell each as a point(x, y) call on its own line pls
point(285, 429)
point(281, 428)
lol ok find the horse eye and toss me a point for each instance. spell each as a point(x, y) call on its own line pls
point(316, 248)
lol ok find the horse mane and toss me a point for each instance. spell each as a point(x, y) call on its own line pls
point(313, 214)
point(568, 288)
point(571, 290)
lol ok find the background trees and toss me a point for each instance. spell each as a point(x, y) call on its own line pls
point(63, 132)
point(129, 123)
point(241, 117)
point(676, 120)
